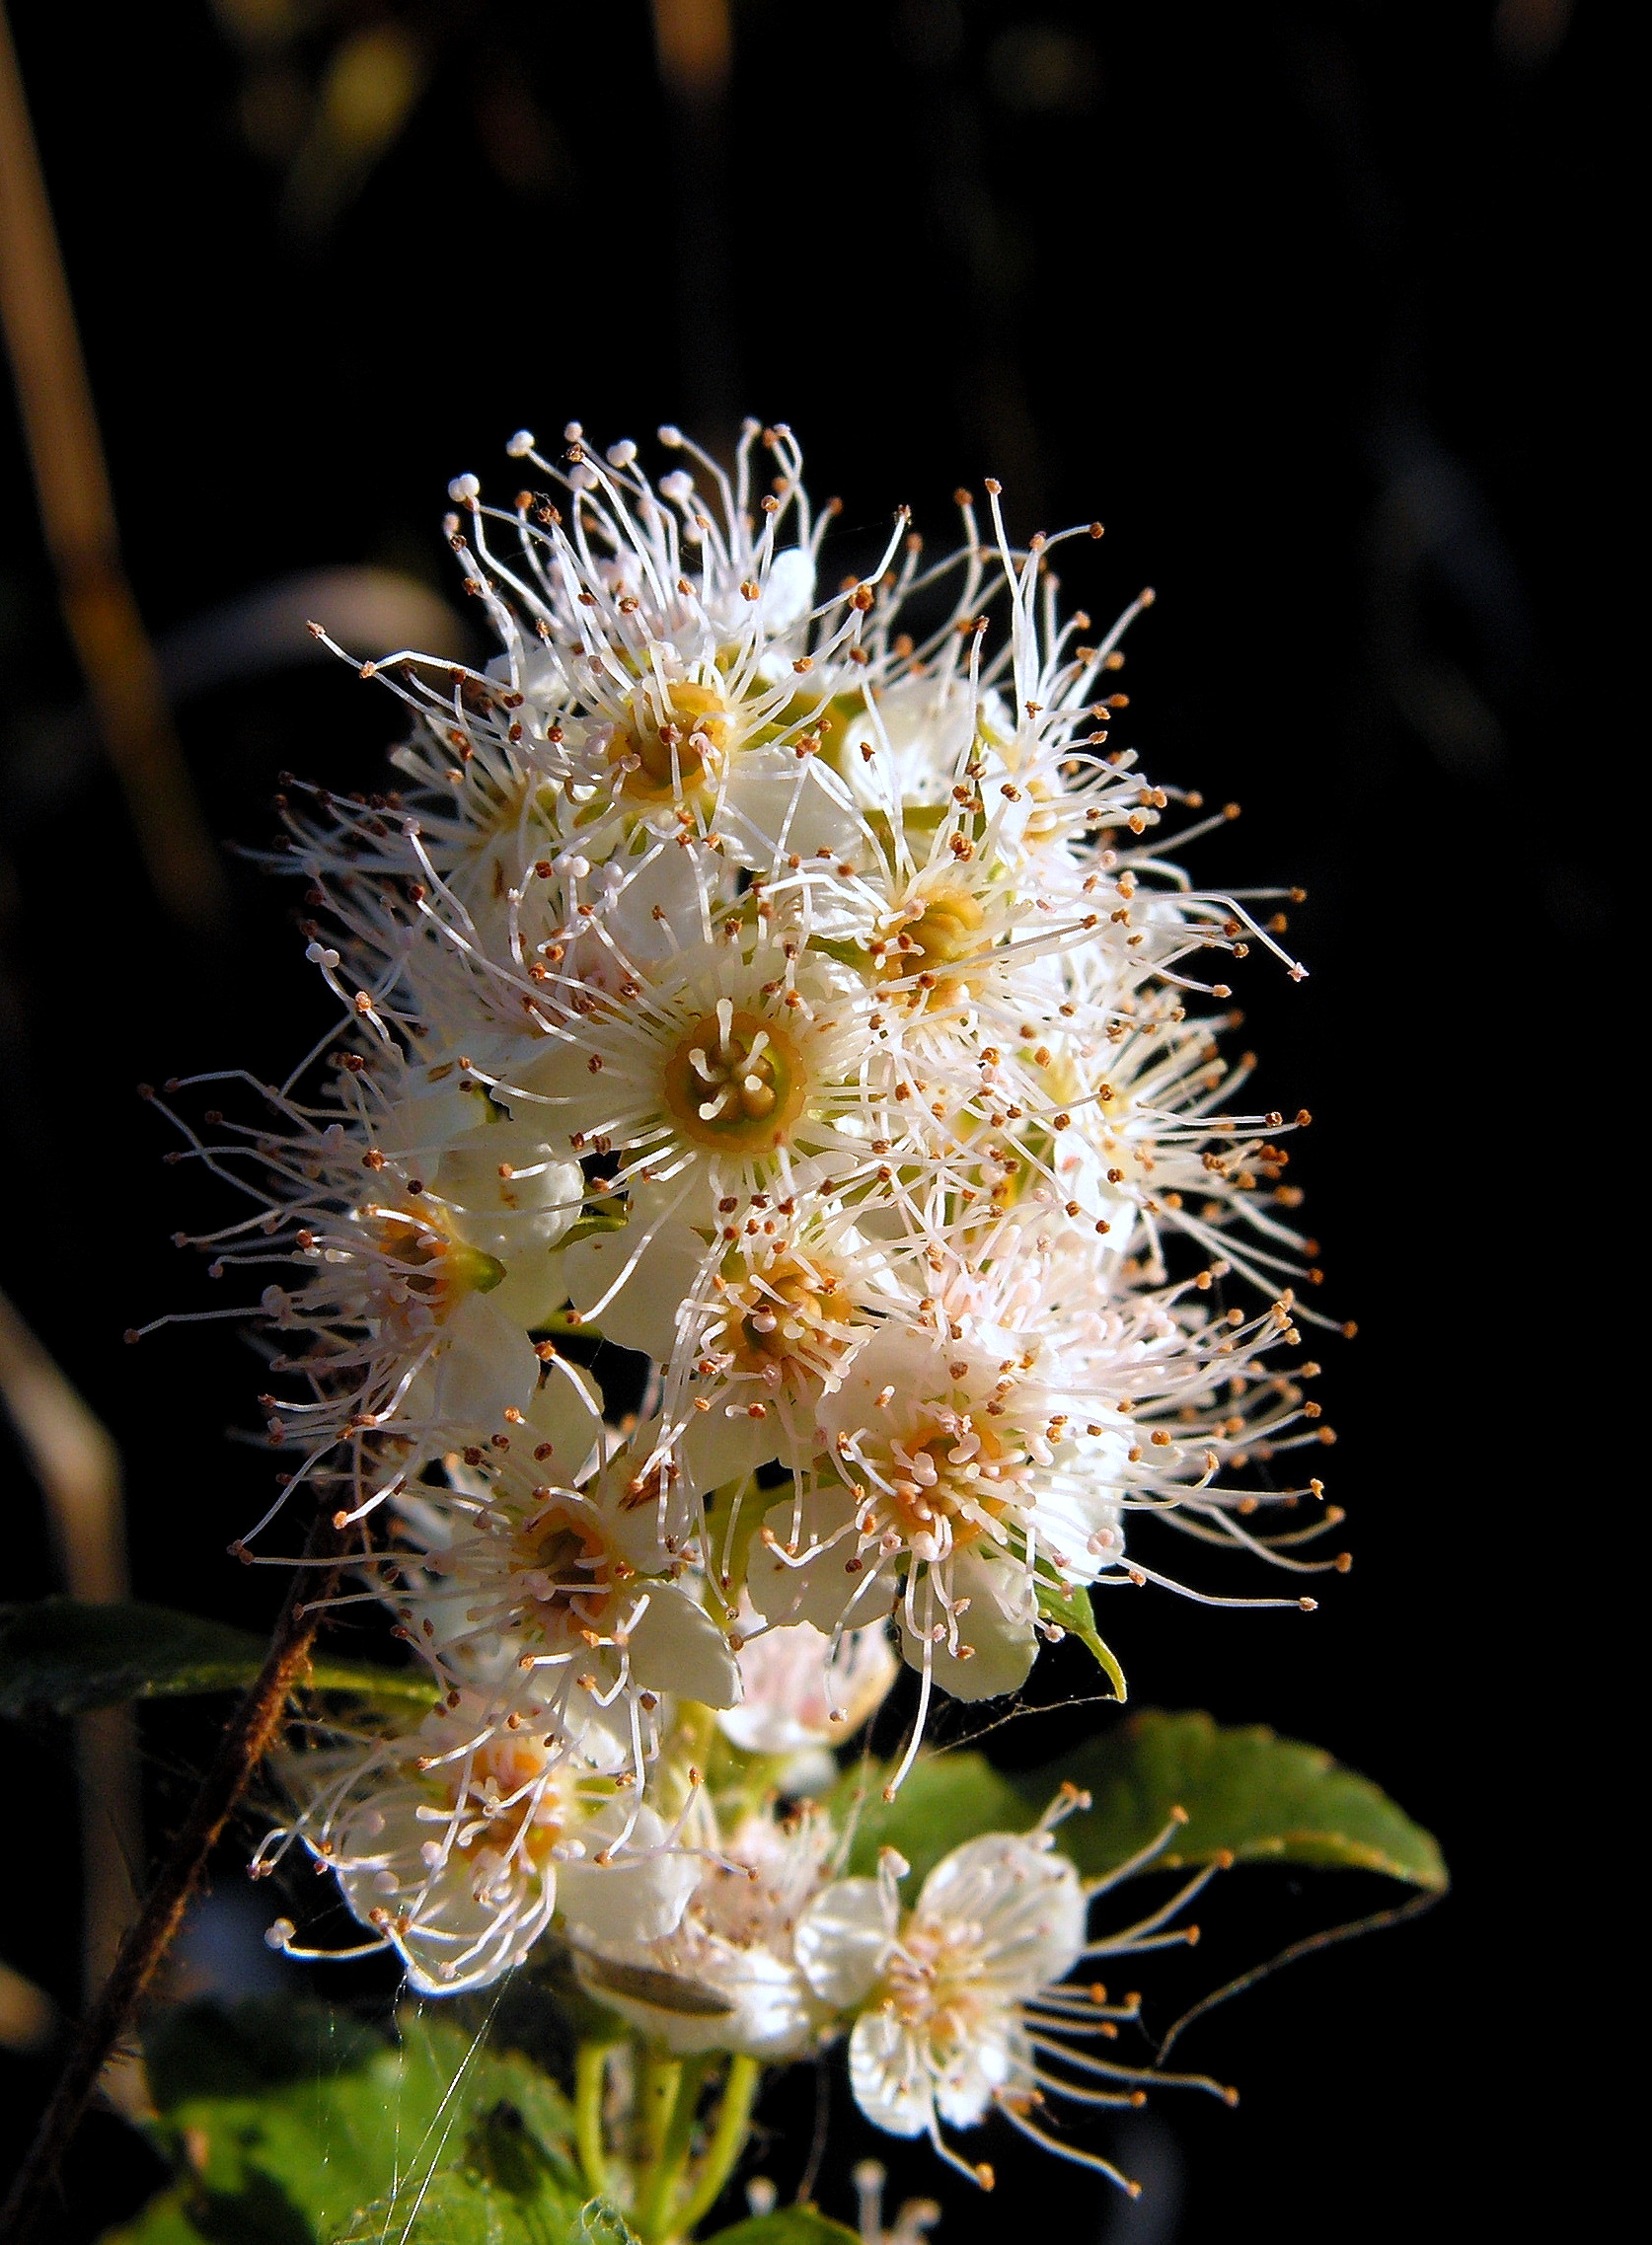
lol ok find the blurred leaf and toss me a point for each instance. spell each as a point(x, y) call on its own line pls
point(1073, 1612)
point(1263, 1798)
point(947, 1798)
point(372, 83)
point(289, 2125)
point(502, 2190)
point(786, 2225)
point(63, 1656)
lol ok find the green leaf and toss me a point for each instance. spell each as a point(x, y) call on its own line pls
point(1071, 1610)
point(593, 1223)
point(786, 2225)
point(291, 2125)
point(1245, 1792)
point(61, 1656)
point(503, 2189)
point(946, 1799)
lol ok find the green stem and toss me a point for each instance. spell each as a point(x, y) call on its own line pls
point(658, 2187)
point(728, 2140)
point(657, 2081)
point(590, 2081)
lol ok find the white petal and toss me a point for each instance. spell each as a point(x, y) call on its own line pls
point(788, 589)
point(843, 1938)
point(677, 1647)
point(642, 1314)
point(716, 1449)
point(1026, 1900)
point(640, 1896)
point(566, 1415)
point(487, 1366)
point(533, 1288)
point(538, 1202)
point(817, 1590)
point(887, 2075)
point(1005, 1643)
point(973, 2071)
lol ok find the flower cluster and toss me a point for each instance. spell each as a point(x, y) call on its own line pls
point(790, 986)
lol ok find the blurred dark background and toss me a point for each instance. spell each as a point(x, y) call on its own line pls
point(1296, 299)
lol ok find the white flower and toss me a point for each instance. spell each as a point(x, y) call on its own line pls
point(960, 2004)
point(562, 1580)
point(404, 1315)
point(943, 1487)
point(728, 1069)
point(458, 1843)
point(977, 1464)
point(940, 1991)
point(801, 1694)
point(760, 1339)
point(727, 1978)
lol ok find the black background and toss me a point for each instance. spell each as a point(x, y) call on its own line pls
point(1301, 301)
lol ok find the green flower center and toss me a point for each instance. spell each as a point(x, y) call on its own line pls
point(735, 1082)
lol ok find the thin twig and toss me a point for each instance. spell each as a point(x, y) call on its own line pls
point(243, 1749)
point(1306, 1948)
point(817, 2142)
point(694, 40)
point(77, 513)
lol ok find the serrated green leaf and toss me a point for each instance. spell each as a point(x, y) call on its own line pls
point(1247, 1792)
point(289, 2125)
point(786, 2225)
point(1073, 1612)
point(946, 1799)
point(61, 1656)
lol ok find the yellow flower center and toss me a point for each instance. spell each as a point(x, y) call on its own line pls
point(496, 1822)
point(946, 931)
point(782, 1323)
point(951, 1474)
point(570, 1573)
point(668, 745)
point(928, 1983)
point(735, 1082)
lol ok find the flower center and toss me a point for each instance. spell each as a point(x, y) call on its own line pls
point(946, 931)
point(421, 1266)
point(928, 1983)
point(496, 1820)
point(948, 1484)
point(568, 1573)
point(670, 745)
point(735, 1082)
point(780, 1323)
